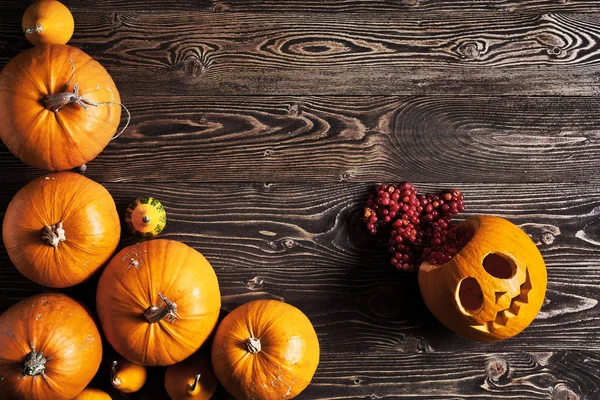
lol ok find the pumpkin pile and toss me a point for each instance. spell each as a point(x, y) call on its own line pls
point(157, 301)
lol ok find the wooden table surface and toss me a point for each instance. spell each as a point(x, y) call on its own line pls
point(263, 124)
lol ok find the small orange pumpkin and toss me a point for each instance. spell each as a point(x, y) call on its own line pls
point(92, 394)
point(127, 376)
point(146, 217)
point(48, 21)
point(61, 228)
point(265, 349)
point(158, 301)
point(191, 379)
point(50, 348)
point(59, 107)
point(493, 288)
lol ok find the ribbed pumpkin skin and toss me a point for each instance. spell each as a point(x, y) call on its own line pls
point(90, 220)
point(62, 140)
point(180, 378)
point(53, 20)
point(288, 358)
point(131, 283)
point(59, 328)
point(503, 313)
point(92, 394)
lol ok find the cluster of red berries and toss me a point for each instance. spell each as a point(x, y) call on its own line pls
point(421, 228)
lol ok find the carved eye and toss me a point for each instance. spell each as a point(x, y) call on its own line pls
point(499, 266)
point(469, 296)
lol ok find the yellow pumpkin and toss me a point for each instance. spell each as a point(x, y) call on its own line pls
point(127, 376)
point(493, 288)
point(265, 349)
point(61, 228)
point(48, 21)
point(158, 301)
point(146, 217)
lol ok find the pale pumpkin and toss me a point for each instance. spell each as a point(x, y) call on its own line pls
point(191, 379)
point(50, 348)
point(493, 288)
point(58, 107)
point(60, 228)
point(127, 376)
point(92, 394)
point(146, 217)
point(265, 349)
point(48, 21)
point(158, 301)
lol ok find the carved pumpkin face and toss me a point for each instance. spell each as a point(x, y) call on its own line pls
point(493, 288)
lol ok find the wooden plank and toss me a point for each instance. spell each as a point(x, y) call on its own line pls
point(375, 53)
point(304, 244)
point(331, 138)
point(326, 6)
point(560, 375)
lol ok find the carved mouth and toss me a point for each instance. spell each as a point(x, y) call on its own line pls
point(512, 311)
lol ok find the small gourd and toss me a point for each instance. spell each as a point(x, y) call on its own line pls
point(127, 376)
point(48, 21)
point(191, 379)
point(146, 217)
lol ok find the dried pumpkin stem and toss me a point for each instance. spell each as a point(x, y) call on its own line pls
point(54, 102)
point(35, 29)
point(116, 381)
point(165, 309)
point(34, 364)
point(194, 385)
point(53, 234)
point(253, 345)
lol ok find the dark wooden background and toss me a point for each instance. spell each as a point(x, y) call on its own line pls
point(263, 124)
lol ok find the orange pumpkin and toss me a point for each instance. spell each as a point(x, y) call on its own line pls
point(50, 348)
point(92, 394)
point(191, 379)
point(57, 107)
point(158, 301)
point(493, 288)
point(265, 349)
point(48, 21)
point(61, 228)
point(127, 376)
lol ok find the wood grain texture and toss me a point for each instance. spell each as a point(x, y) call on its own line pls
point(327, 6)
point(304, 244)
point(388, 53)
point(333, 138)
point(553, 375)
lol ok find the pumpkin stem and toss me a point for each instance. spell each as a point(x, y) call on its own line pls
point(35, 29)
point(54, 102)
point(194, 385)
point(166, 308)
point(53, 234)
point(34, 364)
point(253, 345)
point(113, 375)
point(146, 219)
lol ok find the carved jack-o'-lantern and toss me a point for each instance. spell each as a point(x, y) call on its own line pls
point(493, 288)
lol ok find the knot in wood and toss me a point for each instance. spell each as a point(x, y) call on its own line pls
point(497, 370)
point(563, 392)
point(470, 50)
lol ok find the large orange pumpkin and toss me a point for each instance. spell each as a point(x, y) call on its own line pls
point(191, 379)
point(61, 228)
point(493, 288)
point(158, 301)
point(57, 107)
point(50, 348)
point(48, 21)
point(265, 349)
